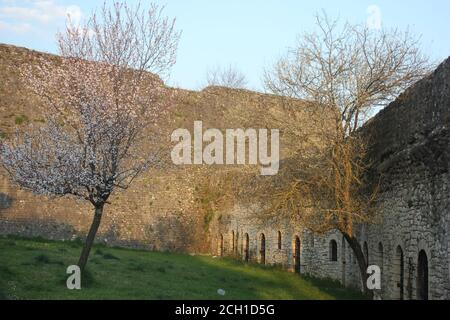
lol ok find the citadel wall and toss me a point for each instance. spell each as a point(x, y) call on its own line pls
point(163, 208)
point(411, 243)
point(410, 149)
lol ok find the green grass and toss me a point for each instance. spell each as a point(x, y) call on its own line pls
point(36, 269)
point(20, 119)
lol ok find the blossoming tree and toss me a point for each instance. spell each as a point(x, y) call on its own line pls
point(99, 102)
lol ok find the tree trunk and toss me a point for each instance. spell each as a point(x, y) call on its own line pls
point(362, 262)
point(90, 237)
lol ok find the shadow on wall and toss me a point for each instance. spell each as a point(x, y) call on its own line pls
point(112, 237)
point(33, 228)
point(5, 201)
point(115, 238)
point(171, 234)
point(52, 229)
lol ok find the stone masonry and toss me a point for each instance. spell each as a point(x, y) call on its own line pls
point(410, 148)
point(412, 152)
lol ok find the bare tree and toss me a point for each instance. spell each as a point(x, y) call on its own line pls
point(99, 102)
point(345, 73)
point(230, 77)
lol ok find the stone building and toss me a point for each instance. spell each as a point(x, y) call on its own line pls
point(411, 243)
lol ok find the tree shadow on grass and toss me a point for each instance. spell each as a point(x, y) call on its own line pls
point(271, 282)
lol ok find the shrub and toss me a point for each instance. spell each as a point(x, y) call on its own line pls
point(110, 256)
point(42, 258)
point(20, 119)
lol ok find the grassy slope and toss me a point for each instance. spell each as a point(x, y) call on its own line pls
point(35, 269)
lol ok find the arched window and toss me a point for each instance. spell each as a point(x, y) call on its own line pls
point(279, 240)
point(262, 250)
point(333, 250)
point(236, 247)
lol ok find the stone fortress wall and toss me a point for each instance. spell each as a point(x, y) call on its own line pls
point(411, 150)
point(164, 208)
point(411, 244)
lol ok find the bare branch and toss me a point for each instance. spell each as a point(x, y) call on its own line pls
point(229, 77)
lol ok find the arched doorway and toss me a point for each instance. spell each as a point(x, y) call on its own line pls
point(246, 249)
point(333, 251)
point(279, 240)
point(297, 255)
point(262, 251)
point(422, 276)
point(221, 245)
point(399, 274)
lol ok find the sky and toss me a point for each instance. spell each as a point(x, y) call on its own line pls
point(247, 34)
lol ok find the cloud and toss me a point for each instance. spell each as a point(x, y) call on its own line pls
point(18, 16)
point(19, 28)
point(374, 19)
